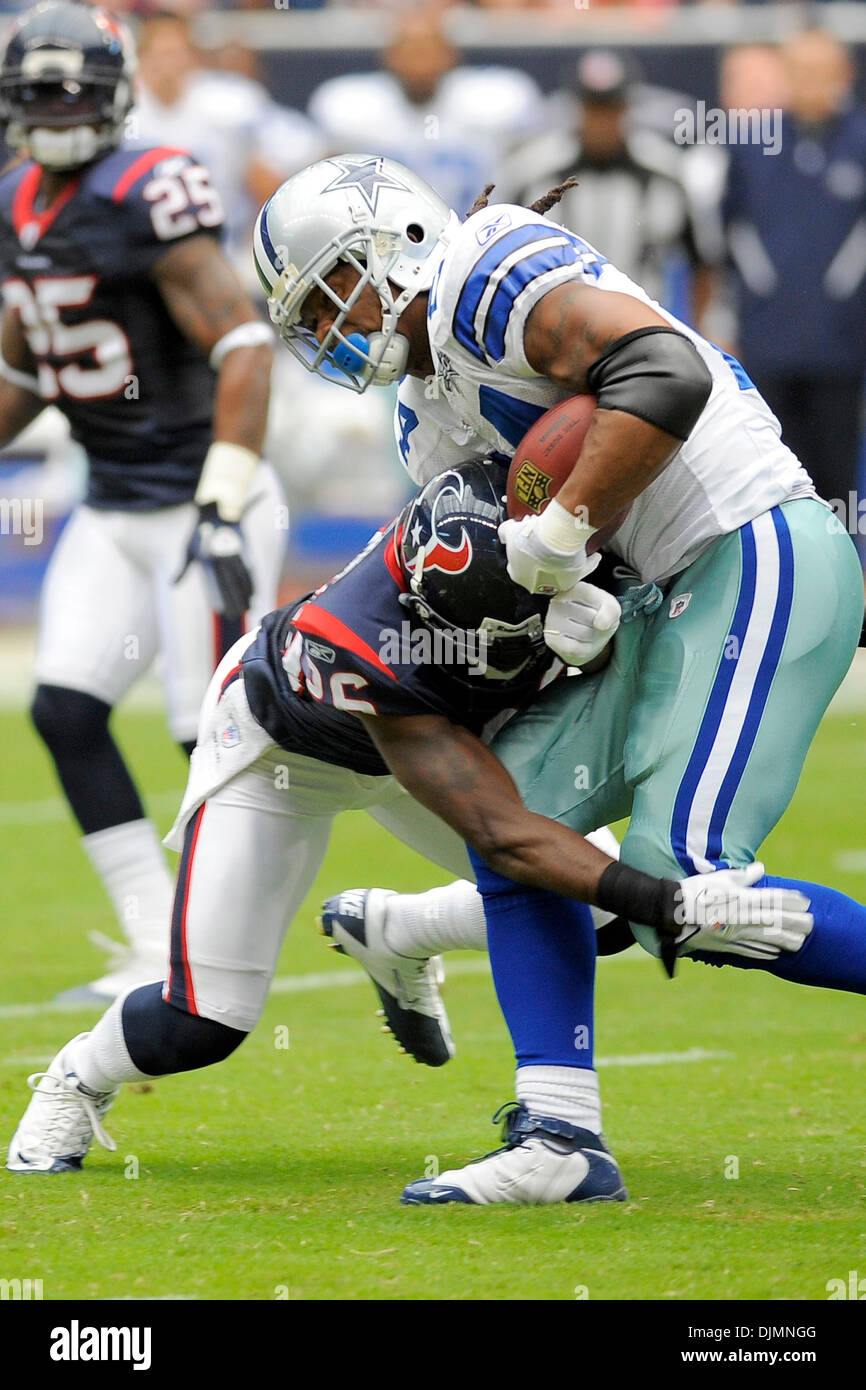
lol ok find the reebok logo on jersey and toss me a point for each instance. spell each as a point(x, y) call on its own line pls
point(483, 235)
point(29, 235)
point(679, 604)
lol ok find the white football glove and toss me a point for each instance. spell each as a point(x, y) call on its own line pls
point(580, 623)
point(722, 913)
point(538, 566)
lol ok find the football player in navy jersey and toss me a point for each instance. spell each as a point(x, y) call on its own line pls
point(403, 664)
point(121, 310)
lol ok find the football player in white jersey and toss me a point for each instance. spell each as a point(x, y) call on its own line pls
point(746, 598)
point(451, 122)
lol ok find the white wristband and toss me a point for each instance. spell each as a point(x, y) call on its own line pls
point(225, 478)
point(251, 334)
point(561, 531)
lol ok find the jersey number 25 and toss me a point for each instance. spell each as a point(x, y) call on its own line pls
point(101, 364)
point(182, 202)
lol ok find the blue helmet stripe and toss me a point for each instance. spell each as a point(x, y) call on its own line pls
point(268, 246)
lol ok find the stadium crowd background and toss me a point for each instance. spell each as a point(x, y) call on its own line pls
point(726, 236)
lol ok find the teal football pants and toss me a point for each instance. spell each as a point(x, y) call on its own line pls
point(699, 726)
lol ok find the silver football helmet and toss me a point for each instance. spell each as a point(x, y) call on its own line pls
point(378, 217)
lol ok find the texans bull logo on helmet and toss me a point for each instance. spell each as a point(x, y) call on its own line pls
point(435, 553)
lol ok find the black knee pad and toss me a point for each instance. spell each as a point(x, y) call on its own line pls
point(162, 1039)
point(68, 717)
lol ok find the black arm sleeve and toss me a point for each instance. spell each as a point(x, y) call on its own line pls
point(656, 374)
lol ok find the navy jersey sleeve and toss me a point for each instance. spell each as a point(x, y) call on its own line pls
point(329, 663)
point(165, 195)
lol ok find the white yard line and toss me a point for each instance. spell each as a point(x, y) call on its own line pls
point(663, 1059)
point(299, 984)
point(333, 979)
point(54, 808)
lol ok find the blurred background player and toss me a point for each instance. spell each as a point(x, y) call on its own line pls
point(227, 119)
point(120, 308)
point(631, 200)
point(452, 124)
point(795, 230)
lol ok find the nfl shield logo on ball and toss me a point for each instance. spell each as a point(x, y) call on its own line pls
point(679, 604)
point(230, 736)
point(531, 486)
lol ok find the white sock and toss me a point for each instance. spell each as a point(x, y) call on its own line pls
point(444, 919)
point(452, 918)
point(566, 1093)
point(101, 1058)
point(130, 861)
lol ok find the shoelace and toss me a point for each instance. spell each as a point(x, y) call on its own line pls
point(641, 598)
point(70, 1092)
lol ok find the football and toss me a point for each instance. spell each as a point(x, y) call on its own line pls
point(545, 457)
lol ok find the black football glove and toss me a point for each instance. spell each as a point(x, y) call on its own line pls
point(218, 546)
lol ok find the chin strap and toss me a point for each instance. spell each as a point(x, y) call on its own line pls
point(392, 365)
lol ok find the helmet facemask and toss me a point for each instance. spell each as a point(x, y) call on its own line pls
point(352, 361)
point(61, 119)
point(494, 650)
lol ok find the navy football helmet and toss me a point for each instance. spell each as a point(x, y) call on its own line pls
point(456, 566)
point(65, 83)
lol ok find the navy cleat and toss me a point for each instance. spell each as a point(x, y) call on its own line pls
point(544, 1160)
point(408, 988)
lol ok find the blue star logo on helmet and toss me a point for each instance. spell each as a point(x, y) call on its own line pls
point(367, 175)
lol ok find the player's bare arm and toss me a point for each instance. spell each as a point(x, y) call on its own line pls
point(206, 301)
point(451, 772)
point(568, 332)
point(20, 402)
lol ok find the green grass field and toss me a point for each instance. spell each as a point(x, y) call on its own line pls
point(278, 1173)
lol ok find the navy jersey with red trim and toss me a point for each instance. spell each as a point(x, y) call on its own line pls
point(352, 648)
point(137, 393)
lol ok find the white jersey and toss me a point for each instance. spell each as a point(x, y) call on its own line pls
point(485, 395)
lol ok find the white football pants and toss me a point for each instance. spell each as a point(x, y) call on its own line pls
point(254, 828)
point(110, 602)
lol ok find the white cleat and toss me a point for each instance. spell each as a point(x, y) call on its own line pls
point(60, 1122)
point(544, 1160)
point(128, 970)
point(408, 988)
